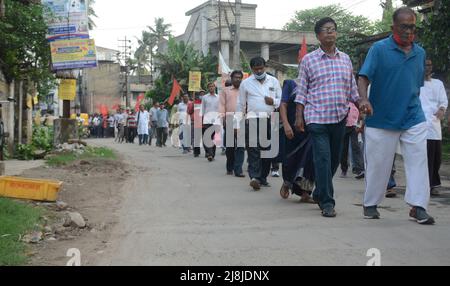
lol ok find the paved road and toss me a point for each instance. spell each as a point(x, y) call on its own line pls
point(185, 211)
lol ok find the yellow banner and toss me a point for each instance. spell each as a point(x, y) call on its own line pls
point(195, 81)
point(67, 89)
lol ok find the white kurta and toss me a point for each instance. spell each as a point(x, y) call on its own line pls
point(433, 97)
point(143, 121)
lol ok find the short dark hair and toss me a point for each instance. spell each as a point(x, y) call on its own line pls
point(403, 10)
point(257, 62)
point(235, 73)
point(322, 22)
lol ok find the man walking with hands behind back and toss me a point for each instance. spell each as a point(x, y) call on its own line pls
point(395, 68)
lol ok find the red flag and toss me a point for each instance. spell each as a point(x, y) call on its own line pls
point(303, 51)
point(138, 101)
point(103, 110)
point(175, 91)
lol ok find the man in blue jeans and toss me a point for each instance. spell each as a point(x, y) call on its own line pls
point(327, 85)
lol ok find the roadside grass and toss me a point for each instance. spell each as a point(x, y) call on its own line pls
point(90, 153)
point(16, 219)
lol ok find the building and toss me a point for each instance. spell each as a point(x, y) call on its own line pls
point(207, 31)
point(101, 86)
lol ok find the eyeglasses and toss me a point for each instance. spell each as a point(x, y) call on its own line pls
point(328, 30)
point(405, 27)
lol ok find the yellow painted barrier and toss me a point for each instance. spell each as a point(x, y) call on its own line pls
point(30, 189)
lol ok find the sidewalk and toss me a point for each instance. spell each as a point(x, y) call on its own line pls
point(16, 167)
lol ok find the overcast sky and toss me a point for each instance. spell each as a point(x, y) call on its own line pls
point(117, 19)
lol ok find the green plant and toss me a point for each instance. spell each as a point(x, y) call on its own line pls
point(16, 219)
point(43, 138)
point(25, 152)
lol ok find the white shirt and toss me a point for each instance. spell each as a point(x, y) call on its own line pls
point(142, 119)
point(433, 97)
point(252, 93)
point(210, 109)
point(182, 112)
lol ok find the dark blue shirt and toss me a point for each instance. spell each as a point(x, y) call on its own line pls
point(396, 79)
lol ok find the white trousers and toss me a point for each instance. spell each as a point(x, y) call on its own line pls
point(380, 148)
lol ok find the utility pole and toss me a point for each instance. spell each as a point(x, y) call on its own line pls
point(126, 53)
point(237, 36)
point(220, 25)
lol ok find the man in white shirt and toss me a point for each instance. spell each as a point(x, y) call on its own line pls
point(259, 96)
point(210, 113)
point(142, 119)
point(434, 104)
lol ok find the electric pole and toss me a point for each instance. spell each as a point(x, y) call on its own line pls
point(220, 26)
point(126, 53)
point(237, 37)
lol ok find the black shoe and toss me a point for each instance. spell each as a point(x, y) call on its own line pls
point(360, 176)
point(229, 173)
point(210, 158)
point(265, 184)
point(240, 175)
point(371, 213)
point(434, 192)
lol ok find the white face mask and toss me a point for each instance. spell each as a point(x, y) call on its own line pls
point(260, 76)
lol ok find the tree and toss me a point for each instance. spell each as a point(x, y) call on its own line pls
point(386, 22)
point(305, 20)
point(176, 63)
point(434, 37)
point(91, 14)
point(24, 50)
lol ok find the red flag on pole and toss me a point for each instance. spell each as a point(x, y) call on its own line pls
point(138, 101)
point(175, 91)
point(303, 51)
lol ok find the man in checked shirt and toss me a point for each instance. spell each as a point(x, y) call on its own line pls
point(327, 85)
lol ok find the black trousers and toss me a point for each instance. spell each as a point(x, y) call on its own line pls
point(434, 161)
point(258, 167)
point(132, 132)
point(210, 151)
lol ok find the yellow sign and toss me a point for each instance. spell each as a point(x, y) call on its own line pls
point(67, 89)
point(73, 54)
point(195, 81)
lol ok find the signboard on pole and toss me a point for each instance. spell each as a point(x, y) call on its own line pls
point(67, 89)
point(66, 19)
point(195, 81)
point(73, 54)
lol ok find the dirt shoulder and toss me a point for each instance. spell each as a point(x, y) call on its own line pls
point(93, 188)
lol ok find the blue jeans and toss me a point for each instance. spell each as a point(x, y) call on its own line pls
point(327, 148)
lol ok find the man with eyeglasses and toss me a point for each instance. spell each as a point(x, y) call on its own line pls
point(395, 68)
point(326, 87)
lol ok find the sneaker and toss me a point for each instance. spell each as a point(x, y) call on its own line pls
point(240, 175)
point(344, 174)
point(360, 176)
point(329, 212)
point(255, 184)
point(371, 213)
point(420, 215)
point(275, 174)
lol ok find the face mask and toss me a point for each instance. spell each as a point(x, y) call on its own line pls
point(260, 76)
point(401, 43)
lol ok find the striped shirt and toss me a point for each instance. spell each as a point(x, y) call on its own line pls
point(132, 121)
point(327, 85)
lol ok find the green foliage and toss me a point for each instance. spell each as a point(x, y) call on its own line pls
point(43, 138)
point(435, 38)
point(25, 152)
point(16, 219)
point(176, 63)
point(24, 50)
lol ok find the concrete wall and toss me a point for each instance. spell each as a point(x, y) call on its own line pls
point(101, 85)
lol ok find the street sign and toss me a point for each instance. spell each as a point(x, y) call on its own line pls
point(73, 54)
